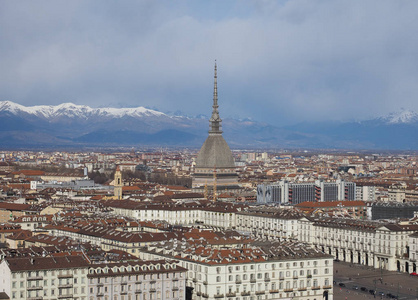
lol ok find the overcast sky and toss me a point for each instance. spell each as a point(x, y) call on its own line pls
point(278, 61)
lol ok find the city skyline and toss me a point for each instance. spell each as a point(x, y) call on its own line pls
point(279, 62)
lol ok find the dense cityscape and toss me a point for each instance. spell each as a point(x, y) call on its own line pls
point(207, 224)
point(65, 226)
point(125, 175)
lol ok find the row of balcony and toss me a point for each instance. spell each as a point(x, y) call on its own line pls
point(66, 296)
point(343, 240)
point(35, 278)
point(248, 293)
point(34, 288)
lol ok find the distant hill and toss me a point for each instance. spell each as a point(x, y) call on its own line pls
point(70, 125)
point(394, 131)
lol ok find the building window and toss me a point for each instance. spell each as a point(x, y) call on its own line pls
point(301, 284)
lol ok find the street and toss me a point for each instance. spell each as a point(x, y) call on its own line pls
point(359, 280)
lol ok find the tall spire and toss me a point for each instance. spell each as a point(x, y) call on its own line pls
point(215, 120)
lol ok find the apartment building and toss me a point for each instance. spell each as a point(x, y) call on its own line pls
point(216, 214)
point(266, 270)
point(44, 277)
point(269, 223)
point(74, 277)
point(137, 280)
point(413, 251)
point(366, 193)
point(109, 238)
point(376, 244)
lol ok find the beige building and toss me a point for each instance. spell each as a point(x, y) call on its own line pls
point(137, 280)
point(379, 245)
point(45, 277)
point(288, 271)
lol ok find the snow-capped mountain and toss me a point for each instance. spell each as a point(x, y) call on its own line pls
point(71, 125)
point(71, 110)
point(403, 116)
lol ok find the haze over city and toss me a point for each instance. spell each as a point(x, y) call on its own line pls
point(281, 62)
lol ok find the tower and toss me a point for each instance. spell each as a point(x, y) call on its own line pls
point(117, 190)
point(215, 156)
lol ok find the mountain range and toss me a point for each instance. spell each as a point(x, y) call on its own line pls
point(70, 125)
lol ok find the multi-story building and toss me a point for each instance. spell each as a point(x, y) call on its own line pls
point(270, 224)
point(45, 277)
point(366, 193)
point(73, 277)
point(397, 194)
point(413, 251)
point(9, 211)
point(281, 270)
point(32, 222)
point(376, 244)
point(109, 238)
point(285, 192)
point(213, 214)
point(393, 210)
point(151, 280)
point(8, 229)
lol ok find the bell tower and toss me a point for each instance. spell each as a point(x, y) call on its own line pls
point(117, 190)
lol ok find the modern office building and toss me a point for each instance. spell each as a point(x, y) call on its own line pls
point(285, 192)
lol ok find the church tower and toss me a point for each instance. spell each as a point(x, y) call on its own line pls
point(215, 156)
point(117, 190)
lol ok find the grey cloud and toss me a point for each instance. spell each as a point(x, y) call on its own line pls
point(279, 62)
